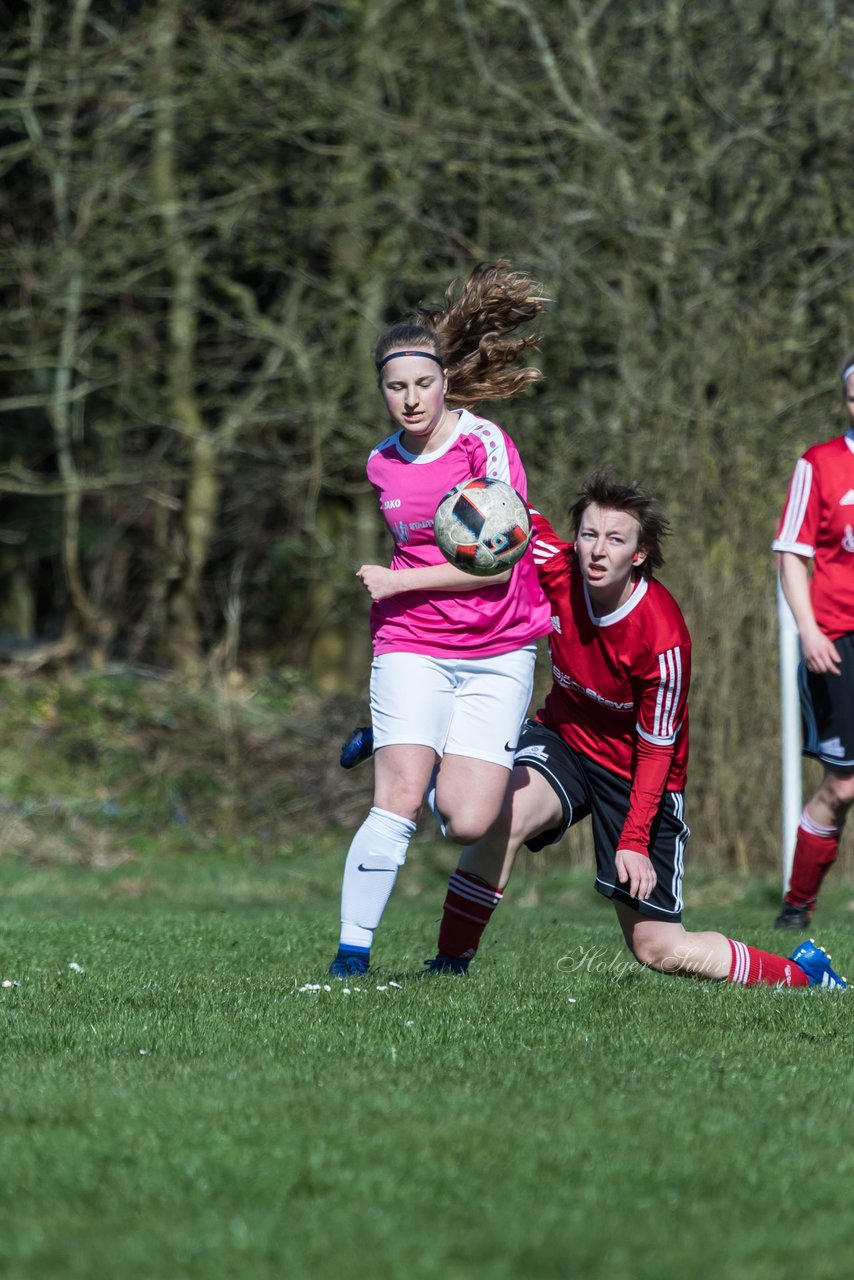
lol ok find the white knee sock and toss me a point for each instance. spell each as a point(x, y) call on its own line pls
point(377, 853)
point(430, 798)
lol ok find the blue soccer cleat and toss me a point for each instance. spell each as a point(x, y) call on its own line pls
point(815, 963)
point(358, 747)
point(447, 964)
point(350, 962)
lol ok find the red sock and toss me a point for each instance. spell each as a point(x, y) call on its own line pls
point(751, 967)
point(815, 854)
point(468, 909)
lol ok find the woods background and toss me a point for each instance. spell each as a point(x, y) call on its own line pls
point(210, 210)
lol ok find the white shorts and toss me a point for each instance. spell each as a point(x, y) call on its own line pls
point(470, 707)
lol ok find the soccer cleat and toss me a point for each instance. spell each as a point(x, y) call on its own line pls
point(815, 962)
point(794, 917)
point(358, 747)
point(447, 964)
point(349, 963)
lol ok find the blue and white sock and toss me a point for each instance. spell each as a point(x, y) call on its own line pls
point(377, 853)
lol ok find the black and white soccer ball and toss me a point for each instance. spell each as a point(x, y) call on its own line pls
point(482, 526)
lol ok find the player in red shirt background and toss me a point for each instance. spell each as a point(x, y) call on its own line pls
point(815, 545)
point(611, 743)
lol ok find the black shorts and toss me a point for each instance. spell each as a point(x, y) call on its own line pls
point(827, 710)
point(586, 788)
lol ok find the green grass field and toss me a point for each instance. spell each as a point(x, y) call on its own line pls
point(176, 1104)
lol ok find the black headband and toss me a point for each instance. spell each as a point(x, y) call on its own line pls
point(392, 355)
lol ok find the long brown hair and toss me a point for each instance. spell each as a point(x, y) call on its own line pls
point(474, 333)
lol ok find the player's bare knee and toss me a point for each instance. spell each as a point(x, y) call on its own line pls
point(837, 793)
point(652, 952)
point(405, 803)
point(841, 797)
point(462, 829)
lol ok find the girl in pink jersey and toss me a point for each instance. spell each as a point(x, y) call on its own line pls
point(454, 655)
point(611, 744)
point(815, 545)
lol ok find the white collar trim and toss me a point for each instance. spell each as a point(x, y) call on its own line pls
point(421, 458)
point(608, 619)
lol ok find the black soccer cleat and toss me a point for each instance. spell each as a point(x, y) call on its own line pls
point(794, 917)
point(358, 747)
point(447, 964)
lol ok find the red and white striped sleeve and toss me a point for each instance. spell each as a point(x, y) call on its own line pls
point(662, 715)
point(550, 552)
point(798, 527)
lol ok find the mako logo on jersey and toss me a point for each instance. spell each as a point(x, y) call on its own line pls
point(390, 504)
point(847, 499)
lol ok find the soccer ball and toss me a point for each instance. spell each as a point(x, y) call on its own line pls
point(482, 526)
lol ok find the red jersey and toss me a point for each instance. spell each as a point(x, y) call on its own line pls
point(619, 690)
point(818, 522)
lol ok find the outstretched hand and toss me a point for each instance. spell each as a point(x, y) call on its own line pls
point(636, 872)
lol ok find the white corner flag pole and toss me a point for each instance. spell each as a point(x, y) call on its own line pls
point(790, 726)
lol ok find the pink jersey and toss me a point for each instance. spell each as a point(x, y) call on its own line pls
point(481, 623)
point(818, 522)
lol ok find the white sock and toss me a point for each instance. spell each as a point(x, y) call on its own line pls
point(430, 798)
point(377, 853)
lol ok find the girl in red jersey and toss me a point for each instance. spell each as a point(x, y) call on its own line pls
point(817, 529)
point(611, 743)
point(454, 655)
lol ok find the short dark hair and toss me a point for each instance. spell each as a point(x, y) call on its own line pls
point(604, 491)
